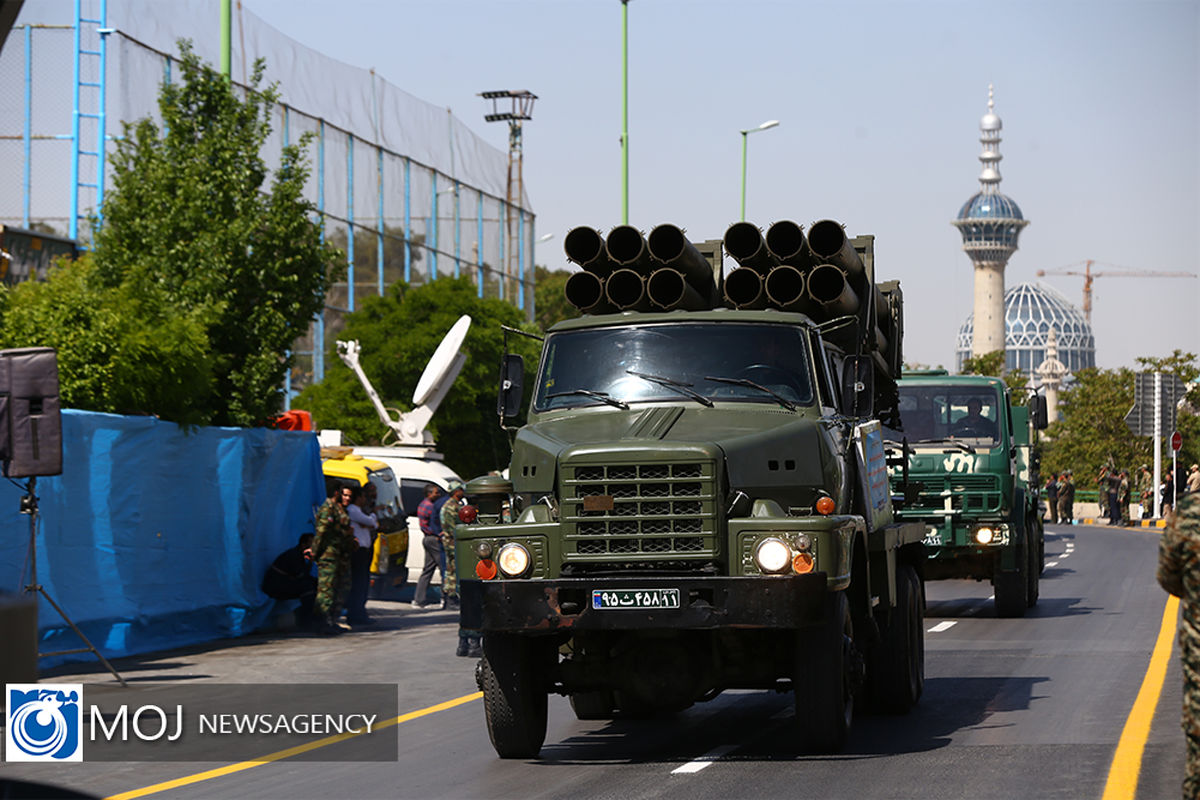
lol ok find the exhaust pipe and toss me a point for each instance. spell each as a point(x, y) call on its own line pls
point(827, 285)
point(745, 243)
point(627, 247)
point(785, 287)
point(585, 291)
point(585, 246)
point(669, 245)
point(785, 241)
point(626, 289)
point(669, 289)
point(744, 289)
point(829, 244)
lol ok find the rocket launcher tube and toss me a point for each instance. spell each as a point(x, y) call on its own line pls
point(669, 246)
point(585, 291)
point(829, 245)
point(745, 243)
point(669, 289)
point(785, 287)
point(585, 246)
point(785, 241)
point(828, 287)
point(626, 289)
point(627, 247)
point(744, 289)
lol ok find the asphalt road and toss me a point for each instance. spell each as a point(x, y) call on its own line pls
point(1013, 708)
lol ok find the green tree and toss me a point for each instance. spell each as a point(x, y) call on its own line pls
point(1187, 421)
point(119, 350)
point(191, 223)
point(1091, 429)
point(993, 364)
point(398, 333)
point(551, 304)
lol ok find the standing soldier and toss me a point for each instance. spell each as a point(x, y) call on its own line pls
point(1066, 499)
point(1123, 497)
point(1179, 574)
point(332, 547)
point(449, 514)
point(1052, 497)
point(1145, 488)
point(1103, 488)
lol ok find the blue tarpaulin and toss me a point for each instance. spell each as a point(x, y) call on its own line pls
point(155, 536)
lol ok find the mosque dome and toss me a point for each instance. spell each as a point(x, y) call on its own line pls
point(1031, 310)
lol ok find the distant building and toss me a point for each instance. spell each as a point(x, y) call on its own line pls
point(990, 223)
point(1031, 310)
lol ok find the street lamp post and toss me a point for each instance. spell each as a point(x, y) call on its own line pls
point(771, 123)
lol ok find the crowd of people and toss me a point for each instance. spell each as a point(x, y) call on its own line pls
point(329, 572)
point(1116, 490)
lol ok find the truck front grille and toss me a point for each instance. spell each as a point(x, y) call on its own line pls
point(969, 493)
point(657, 510)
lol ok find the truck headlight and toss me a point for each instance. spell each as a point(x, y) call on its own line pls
point(513, 560)
point(773, 555)
point(984, 535)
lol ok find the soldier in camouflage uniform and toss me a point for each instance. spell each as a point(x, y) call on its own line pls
point(1102, 493)
point(1123, 497)
point(1179, 574)
point(1145, 489)
point(332, 547)
point(469, 641)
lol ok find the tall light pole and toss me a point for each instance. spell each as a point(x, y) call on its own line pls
point(771, 123)
point(625, 112)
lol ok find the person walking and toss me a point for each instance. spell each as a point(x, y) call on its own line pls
point(427, 518)
point(1066, 499)
point(1052, 497)
point(332, 547)
point(363, 526)
point(1179, 574)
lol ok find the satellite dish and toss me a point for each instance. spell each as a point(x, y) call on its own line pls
point(442, 362)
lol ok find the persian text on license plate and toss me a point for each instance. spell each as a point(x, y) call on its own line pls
point(933, 537)
point(635, 598)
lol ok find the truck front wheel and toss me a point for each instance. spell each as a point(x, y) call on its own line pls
point(824, 685)
point(896, 674)
point(1012, 588)
point(514, 693)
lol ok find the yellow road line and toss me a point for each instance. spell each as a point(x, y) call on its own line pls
point(291, 751)
point(1127, 762)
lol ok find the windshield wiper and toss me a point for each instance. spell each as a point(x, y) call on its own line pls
point(604, 396)
point(966, 448)
point(783, 401)
point(683, 388)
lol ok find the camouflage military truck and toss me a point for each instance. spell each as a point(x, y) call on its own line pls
point(699, 499)
point(972, 482)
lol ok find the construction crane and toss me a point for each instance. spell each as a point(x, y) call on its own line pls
point(1089, 276)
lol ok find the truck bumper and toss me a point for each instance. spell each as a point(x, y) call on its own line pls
point(565, 604)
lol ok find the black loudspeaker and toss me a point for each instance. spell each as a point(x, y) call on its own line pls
point(30, 422)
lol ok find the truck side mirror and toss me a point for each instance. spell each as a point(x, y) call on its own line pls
point(512, 386)
point(1037, 407)
point(858, 387)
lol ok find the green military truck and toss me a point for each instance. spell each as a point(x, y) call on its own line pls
point(969, 476)
point(699, 498)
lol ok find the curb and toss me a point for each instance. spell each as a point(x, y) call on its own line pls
point(1145, 523)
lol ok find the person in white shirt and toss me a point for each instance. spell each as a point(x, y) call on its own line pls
point(363, 525)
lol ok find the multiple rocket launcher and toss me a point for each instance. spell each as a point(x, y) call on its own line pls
point(821, 275)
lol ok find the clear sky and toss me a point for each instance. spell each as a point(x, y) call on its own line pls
point(879, 105)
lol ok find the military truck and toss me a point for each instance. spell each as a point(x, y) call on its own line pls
point(969, 473)
point(699, 497)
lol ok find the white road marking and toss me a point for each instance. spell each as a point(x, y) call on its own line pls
point(1051, 563)
point(943, 626)
point(697, 764)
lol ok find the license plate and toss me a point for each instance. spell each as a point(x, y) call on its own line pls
point(933, 537)
point(635, 598)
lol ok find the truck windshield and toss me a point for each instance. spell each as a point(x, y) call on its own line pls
point(387, 493)
point(673, 362)
point(947, 413)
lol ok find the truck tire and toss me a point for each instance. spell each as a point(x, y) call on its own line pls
point(593, 705)
point(896, 676)
point(1012, 588)
point(823, 685)
point(514, 696)
point(1033, 588)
